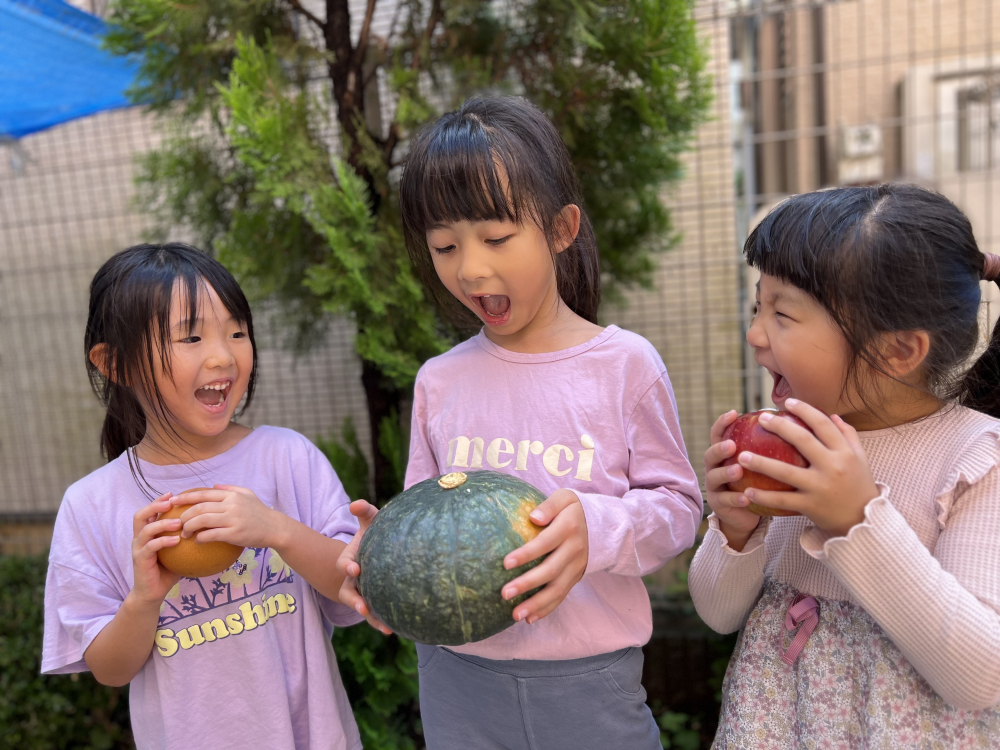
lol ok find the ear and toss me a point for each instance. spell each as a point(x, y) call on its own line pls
point(567, 226)
point(905, 351)
point(99, 359)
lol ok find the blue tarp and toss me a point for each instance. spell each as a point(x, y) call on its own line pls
point(52, 67)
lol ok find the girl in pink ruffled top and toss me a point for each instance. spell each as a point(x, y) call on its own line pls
point(871, 620)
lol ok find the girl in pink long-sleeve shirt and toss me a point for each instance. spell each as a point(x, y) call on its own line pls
point(873, 619)
point(493, 220)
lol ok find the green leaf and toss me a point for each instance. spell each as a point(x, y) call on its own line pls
point(41, 712)
point(348, 460)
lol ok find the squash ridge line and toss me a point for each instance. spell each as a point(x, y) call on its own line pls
point(466, 629)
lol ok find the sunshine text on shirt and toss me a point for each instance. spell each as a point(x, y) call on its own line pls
point(249, 617)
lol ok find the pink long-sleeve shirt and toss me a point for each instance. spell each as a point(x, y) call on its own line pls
point(925, 562)
point(599, 419)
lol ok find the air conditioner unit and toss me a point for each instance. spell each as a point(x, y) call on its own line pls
point(861, 140)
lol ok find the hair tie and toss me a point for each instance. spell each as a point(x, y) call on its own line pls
point(991, 267)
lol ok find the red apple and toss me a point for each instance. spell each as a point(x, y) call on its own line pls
point(750, 435)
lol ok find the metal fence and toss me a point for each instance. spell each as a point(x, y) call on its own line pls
point(807, 95)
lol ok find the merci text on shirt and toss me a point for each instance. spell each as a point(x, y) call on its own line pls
point(495, 452)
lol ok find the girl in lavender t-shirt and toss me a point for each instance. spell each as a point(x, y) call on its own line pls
point(493, 221)
point(242, 658)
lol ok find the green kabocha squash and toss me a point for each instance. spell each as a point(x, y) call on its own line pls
point(432, 559)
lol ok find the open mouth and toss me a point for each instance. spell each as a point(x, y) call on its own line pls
point(781, 389)
point(214, 395)
point(495, 307)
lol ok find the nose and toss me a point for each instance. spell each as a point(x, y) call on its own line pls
point(220, 353)
point(756, 336)
point(473, 263)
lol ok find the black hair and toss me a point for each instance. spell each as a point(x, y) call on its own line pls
point(497, 159)
point(885, 258)
point(130, 299)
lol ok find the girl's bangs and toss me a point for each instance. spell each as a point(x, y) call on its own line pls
point(193, 278)
point(466, 174)
point(778, 246)
point(812, 241)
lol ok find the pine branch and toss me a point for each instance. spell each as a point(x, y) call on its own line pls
point(366, 26)
point(298, 7)
point(433, 18)
point(432, 21)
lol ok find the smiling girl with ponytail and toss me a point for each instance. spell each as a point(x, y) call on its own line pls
point(241, 657)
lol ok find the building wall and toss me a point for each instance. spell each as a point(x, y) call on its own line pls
point(692, 315)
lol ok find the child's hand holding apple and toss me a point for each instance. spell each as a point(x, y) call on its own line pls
point(817, 468)
point(749, 435)
point(730, 505)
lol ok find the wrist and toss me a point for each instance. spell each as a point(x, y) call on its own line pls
point(735, 538)
point(843, 529)
point(282, 531)
point(857, 517)
point(136, 604)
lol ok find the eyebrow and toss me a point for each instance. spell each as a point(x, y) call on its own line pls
point(187, 324)
point(778, 296)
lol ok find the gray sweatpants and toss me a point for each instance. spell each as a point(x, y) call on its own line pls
point(596, 703)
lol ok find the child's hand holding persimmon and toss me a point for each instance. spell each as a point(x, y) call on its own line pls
point(152, 582)
point(227, 513)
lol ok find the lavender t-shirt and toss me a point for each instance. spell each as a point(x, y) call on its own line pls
point(599, 419)
point(240, 659)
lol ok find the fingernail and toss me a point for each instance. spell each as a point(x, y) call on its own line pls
point(743, 500)
point(509, 593)
point(749, 494)
point(519, 615)
point(358, 608)
point(509, 563)
point(532, 620)
point(732, 471)
point(766, 417)
point(536, 516)
point(745, 457)
point(791, 402)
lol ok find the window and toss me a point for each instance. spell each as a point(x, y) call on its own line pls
point(979, 125)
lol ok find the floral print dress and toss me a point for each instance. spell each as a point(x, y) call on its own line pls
point(850, 687)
